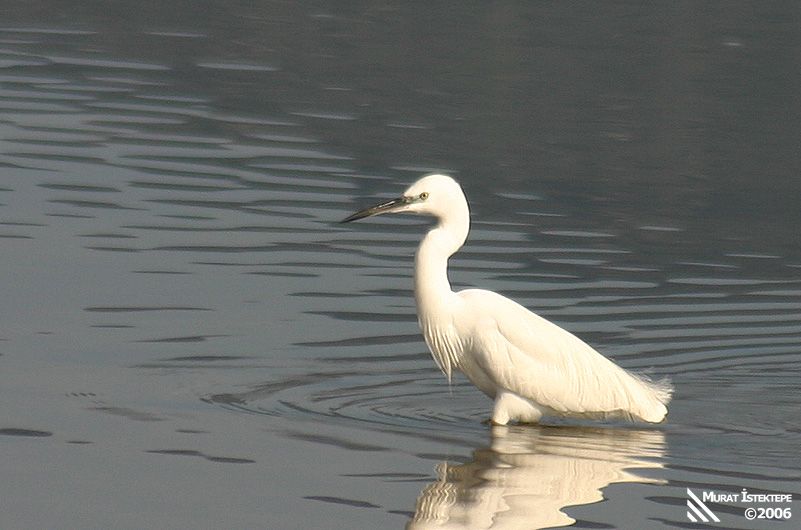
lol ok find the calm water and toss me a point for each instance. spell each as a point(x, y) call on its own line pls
point(188, 339)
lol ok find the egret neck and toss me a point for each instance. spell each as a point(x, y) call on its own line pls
point(431, 286)
point(436, 301)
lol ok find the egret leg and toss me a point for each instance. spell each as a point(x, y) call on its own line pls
point(511, 407)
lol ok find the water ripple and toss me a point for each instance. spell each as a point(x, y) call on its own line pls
point(407, 399)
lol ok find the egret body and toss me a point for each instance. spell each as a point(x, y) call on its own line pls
point(528, 365)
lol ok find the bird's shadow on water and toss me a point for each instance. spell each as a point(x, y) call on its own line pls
point(528, 474)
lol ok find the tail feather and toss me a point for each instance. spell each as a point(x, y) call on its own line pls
point(655, 409)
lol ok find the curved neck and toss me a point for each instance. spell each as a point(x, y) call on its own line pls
point(431, 285)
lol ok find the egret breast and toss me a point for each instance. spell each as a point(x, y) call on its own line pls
point(444, 345)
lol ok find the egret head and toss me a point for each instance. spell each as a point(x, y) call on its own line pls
point(433, 195)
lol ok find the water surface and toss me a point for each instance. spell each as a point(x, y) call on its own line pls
point(189, 339)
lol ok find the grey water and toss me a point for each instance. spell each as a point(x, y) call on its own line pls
point(189, 339)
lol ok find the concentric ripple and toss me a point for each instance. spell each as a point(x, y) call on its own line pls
point(408, 399)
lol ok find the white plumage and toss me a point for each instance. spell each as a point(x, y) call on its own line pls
point(528, 365)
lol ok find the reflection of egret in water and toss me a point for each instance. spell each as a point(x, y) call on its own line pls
point(529, 474)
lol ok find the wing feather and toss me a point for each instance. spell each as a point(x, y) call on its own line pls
point(536, 359)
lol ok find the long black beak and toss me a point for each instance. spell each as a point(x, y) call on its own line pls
point(384, 207)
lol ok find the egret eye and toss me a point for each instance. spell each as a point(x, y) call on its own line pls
point(424, 196)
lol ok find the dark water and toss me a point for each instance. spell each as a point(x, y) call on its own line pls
point(189, 339)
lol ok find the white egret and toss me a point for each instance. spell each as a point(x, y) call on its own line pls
point(528, 365)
